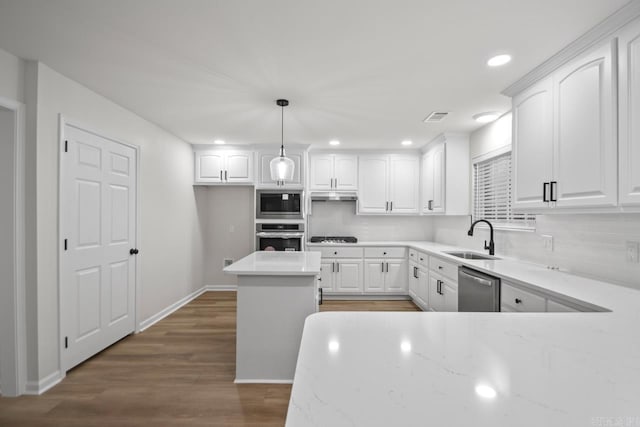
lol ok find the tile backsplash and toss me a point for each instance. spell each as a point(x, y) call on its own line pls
point(588, 245)
point(340, 219)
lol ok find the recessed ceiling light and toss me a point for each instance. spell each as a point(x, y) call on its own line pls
point(334, 142)
point(486, 117)
point(218, 142)
point(485, 391)
point(407, 142)
point(499, 60)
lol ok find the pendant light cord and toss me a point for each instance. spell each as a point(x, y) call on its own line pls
point(282, 133)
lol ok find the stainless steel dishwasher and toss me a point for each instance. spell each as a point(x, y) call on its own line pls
point(477, 291)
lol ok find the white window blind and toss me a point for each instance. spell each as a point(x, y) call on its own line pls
point(493, 194)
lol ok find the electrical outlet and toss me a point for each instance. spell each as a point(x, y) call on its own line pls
point(548, 242)
point(632, 251)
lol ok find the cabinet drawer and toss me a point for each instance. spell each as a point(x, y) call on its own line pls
point(385, 252)
point(443, 267)
point(413, 255)
point(341, 252)
point(521, 300)
point(557, 307)
point(423, 259)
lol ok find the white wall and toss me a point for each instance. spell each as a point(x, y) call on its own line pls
point(592, 245)
point(11, 76)
point(171, 247)
point(6, 234)
point(340, 219)
point(226, 215)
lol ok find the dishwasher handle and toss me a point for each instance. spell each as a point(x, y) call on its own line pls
point(476, 279)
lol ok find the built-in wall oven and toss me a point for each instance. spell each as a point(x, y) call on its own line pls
point(279, 204)
point(279, 237)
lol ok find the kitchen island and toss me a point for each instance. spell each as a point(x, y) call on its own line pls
point(276, 293)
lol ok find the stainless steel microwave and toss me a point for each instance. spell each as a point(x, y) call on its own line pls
point(279, 204)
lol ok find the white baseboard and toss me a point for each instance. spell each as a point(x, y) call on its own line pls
point(236, 381)
point(214, 288)
point(39, 387)
point(170, 309)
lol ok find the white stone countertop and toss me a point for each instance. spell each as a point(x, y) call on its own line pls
point(417, 369)
point(267, 263)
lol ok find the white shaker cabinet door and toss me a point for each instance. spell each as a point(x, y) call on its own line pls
point(533, 146)
point(427, 182)
point(321, 176)
point(629, 97)
point(209, 167)
point(585, 165)
point(239, 166)
point(450, 297)
point(436, 294)
point(404, 184)
point(345, 172)
point(348, 276)
point(373, 178)
point(326, 276)
point(423, 288)
point(396, 276)
point(374, 275)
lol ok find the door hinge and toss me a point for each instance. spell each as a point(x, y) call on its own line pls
point(65, 244)
point(66, 342)
point(66, 146)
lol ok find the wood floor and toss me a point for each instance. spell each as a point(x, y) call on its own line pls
point(179, 372)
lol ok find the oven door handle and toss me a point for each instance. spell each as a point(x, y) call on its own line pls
point(279, 235)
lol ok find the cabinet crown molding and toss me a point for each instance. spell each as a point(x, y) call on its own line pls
point(591, 38)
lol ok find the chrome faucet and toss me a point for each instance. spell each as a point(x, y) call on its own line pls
point(491, 247)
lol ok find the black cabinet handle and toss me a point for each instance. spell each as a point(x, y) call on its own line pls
point(390, 206)
point(430, 205)
point(518, 301)
point(220, 175)
point(545, 187)
point(133, 251)
point(337, 267)
point(321, 296)
point(553, 197)
point(333, 267)
point(382, 267)
point(225, 176)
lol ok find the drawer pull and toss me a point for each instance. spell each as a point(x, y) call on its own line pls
point(384, 253)
point(439, 267)
point(335, 253)
point(421, 259)
point(518, 301)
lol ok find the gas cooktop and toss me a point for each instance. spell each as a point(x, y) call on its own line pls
point(333, 239)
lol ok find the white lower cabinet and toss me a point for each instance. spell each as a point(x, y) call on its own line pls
point(443, 293)
point(414, 280)
point(385, 275)
point(341, 275)
point(423, 288)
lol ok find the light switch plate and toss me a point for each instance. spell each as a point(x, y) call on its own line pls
point(632, 251)
point(548, 242)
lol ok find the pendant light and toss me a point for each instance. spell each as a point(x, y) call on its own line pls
point(282, 167)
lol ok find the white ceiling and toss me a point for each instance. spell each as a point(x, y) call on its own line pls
point(366, 72)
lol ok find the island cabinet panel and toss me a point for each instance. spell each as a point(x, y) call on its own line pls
point(629, 111)
point(327, 283)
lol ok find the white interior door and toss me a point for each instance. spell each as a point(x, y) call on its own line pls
point(98, 230)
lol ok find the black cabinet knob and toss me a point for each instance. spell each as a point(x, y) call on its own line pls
point(384, 253)
point(335, 253)
point(133, 251)
point(518, 301)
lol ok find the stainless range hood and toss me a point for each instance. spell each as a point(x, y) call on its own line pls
point(331, 196)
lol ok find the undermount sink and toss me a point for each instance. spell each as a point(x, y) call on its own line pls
point(471, 255)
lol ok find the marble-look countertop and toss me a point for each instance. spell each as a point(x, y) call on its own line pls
point(267, 263)
point(417, 369)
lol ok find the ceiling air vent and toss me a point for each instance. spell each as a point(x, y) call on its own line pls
point(435, 117)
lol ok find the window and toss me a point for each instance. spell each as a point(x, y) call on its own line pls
point(492, 193)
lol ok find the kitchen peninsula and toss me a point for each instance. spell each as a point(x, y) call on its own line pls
point(276, 293)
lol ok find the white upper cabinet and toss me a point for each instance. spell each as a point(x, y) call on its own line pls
point(445, 176)
point(389, 184)
point(264, 169)
point(333, 172)
point(629, 96)
point(404, 184)
point(374, 178)
point(585, 154)
point(533, 150)
point(223, 166)
point(565, 138)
